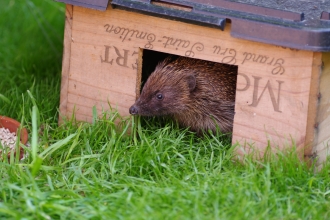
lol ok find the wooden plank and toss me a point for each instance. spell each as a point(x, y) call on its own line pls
point(273, 108)
point(322, 139)
point(274, 83)
point(86, 68)
point(312, 108)
point(99, 95)
point(139, 75)
point(83, 112)
point(66, 61)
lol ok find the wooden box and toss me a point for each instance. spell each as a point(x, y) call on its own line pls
point(282, 94)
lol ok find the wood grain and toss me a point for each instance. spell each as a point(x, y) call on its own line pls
point(313, 106)
point(322, 138)
point(66, 62)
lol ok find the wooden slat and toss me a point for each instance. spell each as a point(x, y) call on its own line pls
point(313, 104)
point(99, 95)
point(66, 61)
point(322, 139)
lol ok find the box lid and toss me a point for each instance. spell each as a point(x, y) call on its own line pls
point(299, 24)
point(94, 4)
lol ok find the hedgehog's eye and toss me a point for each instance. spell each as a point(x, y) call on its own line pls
point(159, 96)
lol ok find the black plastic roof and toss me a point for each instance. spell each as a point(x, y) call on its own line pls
point(94, 4)
point(300, 24)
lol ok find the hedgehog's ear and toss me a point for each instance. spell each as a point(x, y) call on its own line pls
point(191, 80)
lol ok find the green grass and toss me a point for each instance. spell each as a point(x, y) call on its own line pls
point(97, 171)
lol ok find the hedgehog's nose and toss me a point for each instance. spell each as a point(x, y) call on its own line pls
point(133, 110)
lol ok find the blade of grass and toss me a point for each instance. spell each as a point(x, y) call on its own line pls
point(4, 98)
point(56, 146)
point(34, 138)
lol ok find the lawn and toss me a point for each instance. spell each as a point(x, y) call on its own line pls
point(97, 171)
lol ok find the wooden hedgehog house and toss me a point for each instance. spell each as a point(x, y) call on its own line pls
point(281, 53)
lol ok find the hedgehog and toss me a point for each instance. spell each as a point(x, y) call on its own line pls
point(197, 94)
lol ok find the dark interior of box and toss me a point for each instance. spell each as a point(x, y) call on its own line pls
point(150, 59)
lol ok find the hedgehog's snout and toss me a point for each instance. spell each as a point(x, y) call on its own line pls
point(133, 110)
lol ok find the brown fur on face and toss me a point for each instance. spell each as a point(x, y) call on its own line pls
point(198, 94)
